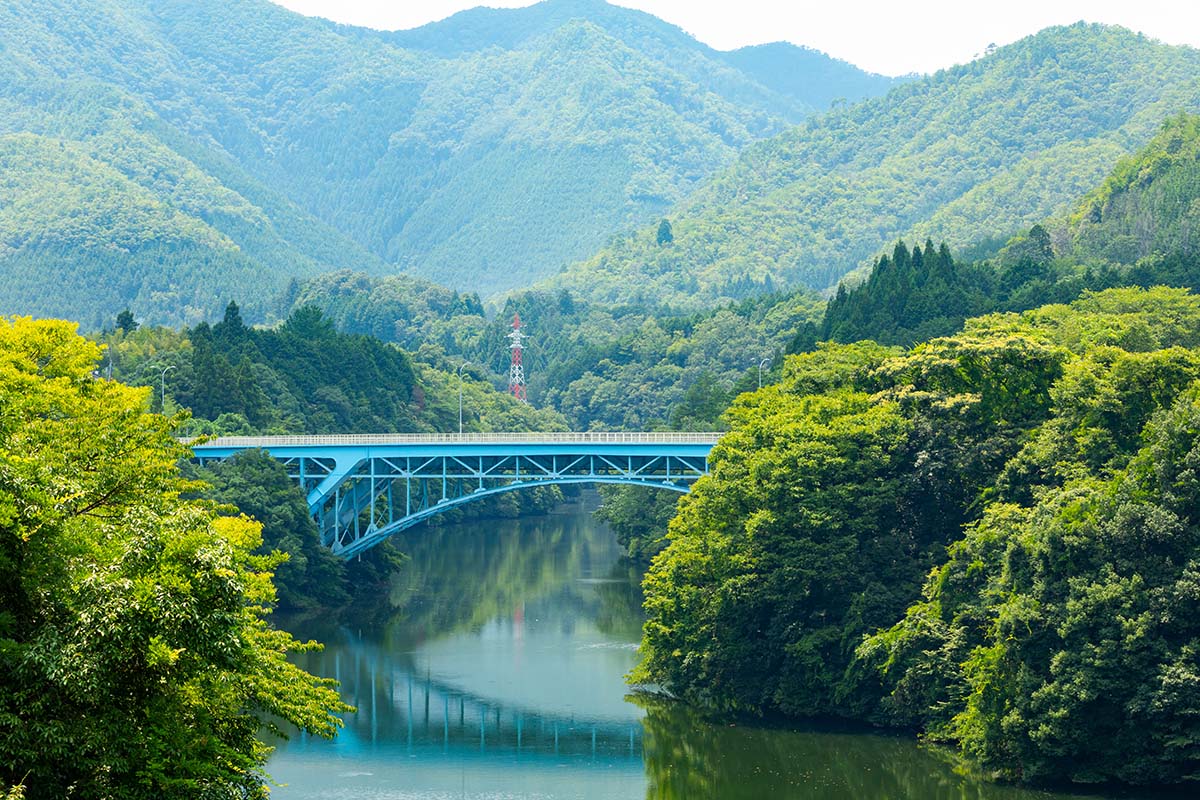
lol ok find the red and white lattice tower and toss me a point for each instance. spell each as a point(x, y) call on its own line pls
point(516, 372)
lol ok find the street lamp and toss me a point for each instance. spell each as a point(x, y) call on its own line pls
point(163, 384)
point(766, 361)
point(460, 390)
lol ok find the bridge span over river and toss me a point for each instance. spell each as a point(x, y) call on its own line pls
point(363, 488)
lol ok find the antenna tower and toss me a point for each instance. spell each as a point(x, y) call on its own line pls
point(516, 372)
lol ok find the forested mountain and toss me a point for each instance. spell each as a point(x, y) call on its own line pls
point(174, 154)
point(778, 79)
point(971, 153)
point(1140, 227)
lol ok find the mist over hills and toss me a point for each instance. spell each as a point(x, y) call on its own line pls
point(168, 155)
point(971, 153)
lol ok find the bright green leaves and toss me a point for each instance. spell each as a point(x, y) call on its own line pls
point(1053, 474)
point(1071, 625)
point(763, 569)
point(136, 661)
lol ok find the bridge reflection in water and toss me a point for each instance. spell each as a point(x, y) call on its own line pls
point(494, 672)
point(399, 710)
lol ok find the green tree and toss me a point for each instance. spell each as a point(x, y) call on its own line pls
point(664, 235)
point(126, 322)
point(259, 486)
point(134, 654)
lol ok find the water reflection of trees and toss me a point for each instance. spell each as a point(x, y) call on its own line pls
point(460, 577)
point(689, 756)
point(620, 615)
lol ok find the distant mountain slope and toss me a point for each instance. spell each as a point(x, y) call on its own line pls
point(114, 194)
point(976, 151)
point(1147, 211)
point(808, 75)
point(778, 79)
point(286, 146)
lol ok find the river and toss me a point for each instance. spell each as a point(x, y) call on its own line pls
point(494, 669)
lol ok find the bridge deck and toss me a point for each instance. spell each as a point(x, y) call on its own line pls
point(368, 439)
point(362, 488)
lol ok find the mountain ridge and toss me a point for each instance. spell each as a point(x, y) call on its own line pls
point(316, 147)
point(810, 205)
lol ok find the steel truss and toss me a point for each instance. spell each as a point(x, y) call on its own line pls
point(382, 496)
point(360, 495)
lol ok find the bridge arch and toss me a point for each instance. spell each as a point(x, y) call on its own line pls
point(363, 489)
point(369, 539)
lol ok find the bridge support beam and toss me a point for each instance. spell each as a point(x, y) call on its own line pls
point(363, 489)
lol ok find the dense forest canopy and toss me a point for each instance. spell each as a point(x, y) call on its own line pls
point(975, 152)
point(170, 155)
point(135, 658)
point(1052, 452)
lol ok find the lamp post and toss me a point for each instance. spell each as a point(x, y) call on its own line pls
point(163, 383)
point(762, 364)
point(460, 390)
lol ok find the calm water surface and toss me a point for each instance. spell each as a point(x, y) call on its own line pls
point(494, 669)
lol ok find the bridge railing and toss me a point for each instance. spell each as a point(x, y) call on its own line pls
point(352, 440)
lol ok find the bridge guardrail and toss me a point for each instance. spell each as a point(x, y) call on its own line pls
point(366, 439)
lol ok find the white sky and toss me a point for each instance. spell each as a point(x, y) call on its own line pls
point(892, 38)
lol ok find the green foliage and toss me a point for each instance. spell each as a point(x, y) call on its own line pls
point(398, 308)
point(604, 367)
point(776, 79)
point(126, 323)
point(972, 152)
point(639, 516)
point(746, 604)
point(134, 654)
point(305, 377)
point(907, 298)
point(664, 235)
point(166, 155)
point(1059, 640)
point(1054, 452)
point(1136, 228)
point(1147, 213)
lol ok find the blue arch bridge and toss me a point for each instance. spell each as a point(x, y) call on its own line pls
point(363, 488)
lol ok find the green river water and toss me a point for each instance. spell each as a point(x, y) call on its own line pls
point(494, 669)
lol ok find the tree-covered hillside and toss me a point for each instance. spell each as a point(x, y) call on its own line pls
point(135, 656)
point(1054, 452)
point(779, 79)
point(974, 152)
point(304, 376)
point(1139, 227)
point(603, 367)
point(172, 155)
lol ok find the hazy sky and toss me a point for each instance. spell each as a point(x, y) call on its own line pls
point(888, 37)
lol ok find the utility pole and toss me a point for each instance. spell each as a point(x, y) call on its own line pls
point(460, 388)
